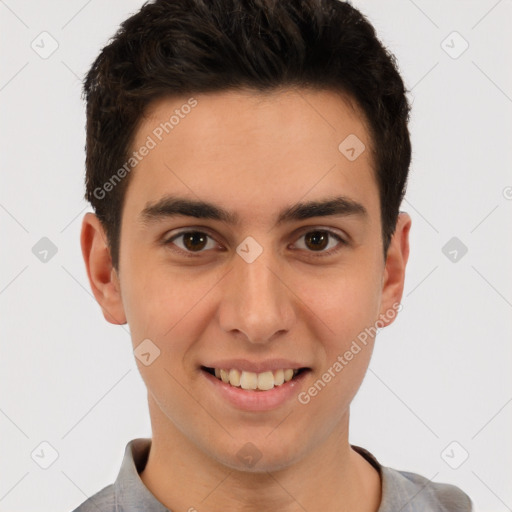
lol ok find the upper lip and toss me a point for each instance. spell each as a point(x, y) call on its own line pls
point(255, 366)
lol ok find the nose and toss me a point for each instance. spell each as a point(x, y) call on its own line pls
point(256, 303)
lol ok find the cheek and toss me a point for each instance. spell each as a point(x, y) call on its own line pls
point(171, 311)
point(348, 305)
point(345, 301)
point(344, 365)
point(158, 300)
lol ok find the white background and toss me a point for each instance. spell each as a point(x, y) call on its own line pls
point(440, 373)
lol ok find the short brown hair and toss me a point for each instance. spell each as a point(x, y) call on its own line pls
point(177, 47)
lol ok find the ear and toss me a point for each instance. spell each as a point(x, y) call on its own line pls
point(394, 272)
point(103, 277)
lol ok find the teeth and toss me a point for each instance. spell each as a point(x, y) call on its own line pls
point(252, 381)
point(265, 381)
point(248, 380)
point(288, 374)
point(278, 377)
point(234, 377)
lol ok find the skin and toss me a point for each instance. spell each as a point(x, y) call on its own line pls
point(253, 154)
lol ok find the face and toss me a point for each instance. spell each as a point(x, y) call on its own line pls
point(276, 265)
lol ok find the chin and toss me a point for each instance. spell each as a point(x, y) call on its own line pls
point(264, 465)
point(259, 456)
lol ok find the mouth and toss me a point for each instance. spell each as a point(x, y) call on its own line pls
point(252, 381)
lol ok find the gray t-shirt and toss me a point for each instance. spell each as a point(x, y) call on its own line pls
point(401, 491)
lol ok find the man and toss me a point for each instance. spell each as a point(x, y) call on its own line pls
point(246, 162)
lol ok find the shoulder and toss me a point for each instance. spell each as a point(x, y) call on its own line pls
point(412, 491)
point(102, 501)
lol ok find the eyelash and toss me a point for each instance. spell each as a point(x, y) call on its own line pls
point(191, 254)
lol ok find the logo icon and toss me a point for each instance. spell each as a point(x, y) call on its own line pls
point(455, 455)
point(454, 250)
point(146, 352)
point(249, 249)
point(45, 45)
point(454, 45)
point(351, 147)
point(44, 455)
point(44, 250)
point(249, 455)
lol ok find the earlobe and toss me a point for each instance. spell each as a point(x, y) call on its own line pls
point(394, 273)
point(102, 276)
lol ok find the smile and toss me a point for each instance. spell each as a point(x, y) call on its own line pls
point(255, 386)
point(246, 380)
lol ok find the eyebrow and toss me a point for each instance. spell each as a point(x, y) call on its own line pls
point(171, 206)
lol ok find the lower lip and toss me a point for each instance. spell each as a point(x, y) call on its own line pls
point(251, 400)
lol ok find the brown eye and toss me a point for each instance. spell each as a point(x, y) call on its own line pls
point(321, 241)
point(192, 241)
point(317, 240)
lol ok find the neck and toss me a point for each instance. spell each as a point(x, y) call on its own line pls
point(185, 479)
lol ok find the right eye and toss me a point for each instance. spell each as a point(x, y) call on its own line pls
point(191, 242)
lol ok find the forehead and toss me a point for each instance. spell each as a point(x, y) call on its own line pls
point(253, 150)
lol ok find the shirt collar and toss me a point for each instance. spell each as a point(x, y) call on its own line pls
point(131, 495)
point(130, 492)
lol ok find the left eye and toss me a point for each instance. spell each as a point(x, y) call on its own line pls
point(319, 240)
